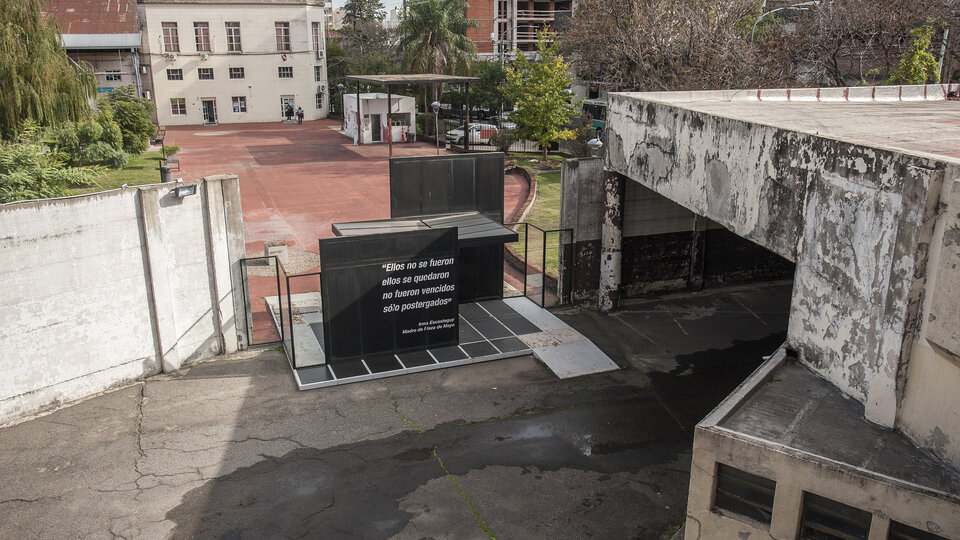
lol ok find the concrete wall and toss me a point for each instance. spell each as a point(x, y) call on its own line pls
point(581, 209)
point(105, 288)
point(851, 217)
point(261, 86)
point(930, 408)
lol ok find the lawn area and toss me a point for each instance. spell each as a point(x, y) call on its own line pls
point(545, 213)
point(142, 169)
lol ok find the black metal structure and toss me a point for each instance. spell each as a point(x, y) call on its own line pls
point(389, 293)
point(248, 297)
point(428, 185)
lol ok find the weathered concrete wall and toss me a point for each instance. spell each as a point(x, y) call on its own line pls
point(581, 209)
point(930, 409)
point(851, 217)
point(105, 288)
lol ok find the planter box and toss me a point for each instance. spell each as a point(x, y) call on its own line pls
point(280, 252)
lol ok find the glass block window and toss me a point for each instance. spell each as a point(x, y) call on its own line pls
point(285, 72)
point(171, 40)
point(233, 36)
point(236, 73)
point(283, 36)
point(743, 493)
point(202, 32)
point(239, 104)
point(205, 74)
point(174, 74)
point(825, 519)
point(178, 106)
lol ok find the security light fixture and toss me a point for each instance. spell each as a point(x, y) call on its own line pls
point(595, 146)
point(436, 119)
point(185, 191)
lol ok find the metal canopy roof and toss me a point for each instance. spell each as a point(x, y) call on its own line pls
point(413, 78)
point(473, 228)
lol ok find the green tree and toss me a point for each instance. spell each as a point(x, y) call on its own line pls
point(917, 65)
point(539, 91)
point(434, 36)
point(486, 92)
point(28, 170)
point(132, 115)
point(37, 80)
point(357, 11)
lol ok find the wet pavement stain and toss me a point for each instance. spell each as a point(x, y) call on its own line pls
point(354, 490)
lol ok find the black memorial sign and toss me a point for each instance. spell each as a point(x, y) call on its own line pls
point(389, 293)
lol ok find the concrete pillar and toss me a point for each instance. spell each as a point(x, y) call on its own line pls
point(698, 246)
point(787, 509)
point(223, 258)
point(160, 268)
point(611, 241)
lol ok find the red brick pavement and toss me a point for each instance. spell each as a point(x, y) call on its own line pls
point(295, 180)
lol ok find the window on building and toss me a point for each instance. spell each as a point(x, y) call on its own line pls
point(285, 72)
point(239, 104)
point(283, 36)
point(205, 74)
point(744, 493)
point(233, 36)
point(202, 32)
point(171, 40)
point(319, 101)
point(318, 73)
point(236, 73)
point(112, 75)
point(317, 37)
point(178, 106)
point(825, 519)
point(174, 74)
point(899, 531)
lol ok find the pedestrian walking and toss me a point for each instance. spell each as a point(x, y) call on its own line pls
point(289, 112)
point(299, 115)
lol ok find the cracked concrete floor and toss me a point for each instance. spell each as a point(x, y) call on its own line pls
point(230, 449)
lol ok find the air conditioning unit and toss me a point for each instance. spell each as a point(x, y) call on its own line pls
point(320, 54)
point(143, 69)
point(321, 88)
point(170, 56)
point(204, 55)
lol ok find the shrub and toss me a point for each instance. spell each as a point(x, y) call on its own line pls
point(101, 153)
point(503, 139)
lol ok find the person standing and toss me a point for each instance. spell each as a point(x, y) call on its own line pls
point(299, 115)
point(289, 112)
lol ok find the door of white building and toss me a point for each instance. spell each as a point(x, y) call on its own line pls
point(284, 101)
point(209, 106)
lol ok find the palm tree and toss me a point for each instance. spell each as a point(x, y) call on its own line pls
point(434, 36)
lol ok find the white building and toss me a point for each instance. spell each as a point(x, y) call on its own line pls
point(234, 61)
point(373, 107)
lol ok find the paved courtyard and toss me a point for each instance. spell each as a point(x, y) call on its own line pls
point(230, 448)
point(295, 180)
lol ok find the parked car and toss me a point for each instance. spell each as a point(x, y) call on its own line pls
point(479, 134)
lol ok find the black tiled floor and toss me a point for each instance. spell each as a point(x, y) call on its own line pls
point(499, 309)
point(519, 325)
point(467, 333)
point(473, 312)
point(416, 359)
point(482, 348)
point(314, 374)
point(510, 344)
point(448, 354)
point(379, 364)
point(492, 329)
point(348, 368)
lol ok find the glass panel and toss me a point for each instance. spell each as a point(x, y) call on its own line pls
point(281, 312)
point(744, 493)
point(825, 519)
point(514, 262)
point(534, 250)
point(260, 288)
point(899, 531)
point(306, 319)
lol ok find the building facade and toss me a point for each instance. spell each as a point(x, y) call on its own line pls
point(104, 34)
point(503, 26)
point(214, 62)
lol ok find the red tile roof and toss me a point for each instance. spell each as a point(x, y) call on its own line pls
point(94, 16)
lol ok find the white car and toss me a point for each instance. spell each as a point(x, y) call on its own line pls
point(479, 134)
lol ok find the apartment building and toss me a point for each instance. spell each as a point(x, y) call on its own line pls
point(503, 26)
point(218, 62)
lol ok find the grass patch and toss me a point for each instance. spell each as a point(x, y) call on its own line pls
point(545, 214)
point(142, 169)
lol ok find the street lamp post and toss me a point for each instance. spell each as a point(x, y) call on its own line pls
point(436, 118)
